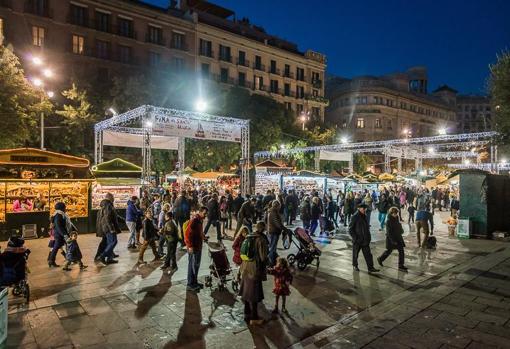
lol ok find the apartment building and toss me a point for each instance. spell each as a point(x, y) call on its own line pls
point(393, 106)
point(103, 38)
point(474, 113)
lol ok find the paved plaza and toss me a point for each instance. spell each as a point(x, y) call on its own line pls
point(456, 296)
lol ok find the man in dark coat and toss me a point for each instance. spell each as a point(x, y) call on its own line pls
point(182, 212)
point(359, 231)
point(394, 239)
point(275, 227)
point(107, 228)
point(246, 214)
point(213, 216)
point(292, 205)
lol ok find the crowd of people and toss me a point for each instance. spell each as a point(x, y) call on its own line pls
point(169, 219)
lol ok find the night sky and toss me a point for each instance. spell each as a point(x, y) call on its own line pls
point(455, 39)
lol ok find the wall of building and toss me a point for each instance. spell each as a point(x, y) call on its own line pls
point(474, 113)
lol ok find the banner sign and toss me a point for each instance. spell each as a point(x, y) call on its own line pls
point(335, 156)
point(119, 139)
point(199, 129)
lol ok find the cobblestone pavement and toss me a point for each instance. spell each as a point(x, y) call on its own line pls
point(457, 295)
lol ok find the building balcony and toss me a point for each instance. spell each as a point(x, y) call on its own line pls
point(260, 67)
point(317, 83)
point(274, 71)
point(35, 8)
point(243, 63)
point(288, 75)
point(179, 46)
point(207, 53)
point(121, 31)
point(290, 94)
point(276, 91)
point(158, 40)
point(225, 58)
point(317, 99)
point(245, 84)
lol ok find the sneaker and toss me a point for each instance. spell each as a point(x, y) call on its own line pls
point(103, 261)
point(379, 260)
point(141, 261)
point(373, 270)
point(355, 268)
point(112, 261)
point(53, 265)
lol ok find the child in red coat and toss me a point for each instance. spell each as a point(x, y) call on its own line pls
point(282, 281)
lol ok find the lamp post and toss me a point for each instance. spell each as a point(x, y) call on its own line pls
point(304, 117)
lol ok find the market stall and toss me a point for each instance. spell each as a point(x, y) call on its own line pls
point(222, 181)
point(32, 181)
point(305, 181)
point(268, 176)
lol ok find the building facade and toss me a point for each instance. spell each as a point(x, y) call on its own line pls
point(103, 38)
point(474, 113)
point(394, 106)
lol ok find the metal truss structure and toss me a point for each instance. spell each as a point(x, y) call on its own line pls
point(435, 147)
point(482, 166)
point(139, 121)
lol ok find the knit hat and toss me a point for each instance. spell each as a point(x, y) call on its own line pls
point(60, 206)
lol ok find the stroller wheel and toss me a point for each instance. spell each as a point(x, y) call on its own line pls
point(235, 286)
point(16, 290)
point(301, 264)
point(291, 258)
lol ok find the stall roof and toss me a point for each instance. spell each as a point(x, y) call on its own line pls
point(271, 164)
point(116, 168)
point(38, 157)
point(211, 175)
point(305, 173)
point(467, 171)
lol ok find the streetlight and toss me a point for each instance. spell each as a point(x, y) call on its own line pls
point(431, 150)
point(47, 72)
point(51, 94)
point(442, 131)
point(467, 162)
point(37, 82)
point(344, 140)
point(201, 105)
point(37, 60)
point(148, 124)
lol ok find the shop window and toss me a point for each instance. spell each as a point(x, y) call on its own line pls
point(38, 34)
point(360, 123)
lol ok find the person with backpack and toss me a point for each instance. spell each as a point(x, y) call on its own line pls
point(254, 252)
point(194, 238)
point(246, 214)
point(422, 226)
point(275, 227)
point(394, 239)
point(213, 216)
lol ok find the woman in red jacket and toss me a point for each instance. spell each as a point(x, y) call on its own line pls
point(238, 241)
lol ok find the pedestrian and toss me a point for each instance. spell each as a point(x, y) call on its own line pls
point(62, 227)
point(107, 228)
point(194, 238)
point(170, 233)
point(394, 239)
point(236, 246)
point(315, 211)
point(348, 208)
point(305, 213)
point(224, 214)
point(282, 280)
point(422, 219)
point(73, 252)
point(330, 210)
point(292, 204)
point(275, 227)
point(150, 236)
point(253, 273)
point(383, 207)
point(182, 212)
point(213, 216)
point(410, 209)
point(246, 214)
point(133, 213)
point(360, 234)
point(160, 225)
point(367, 200)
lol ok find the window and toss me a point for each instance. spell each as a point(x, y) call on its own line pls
point(178, 41)
point(288, 106)
point(205, 48)
point(361, 100)
point(241, 79)
point(155, 35)
point(125, 27)
point(315, 77)
point(315, 93)
point(389, 102)
point(378, 123)
point(273, 67)
point(1, 31)
point(38, 7)
point(360, 123)
point(258, 63)
point(274, 86)
point(390, 127)
point(316, 112)
point(286, 71)
point(124, 54)
point(78, 44)
point(241, 60)
point(102, 49)
point(286, 89)
point(102, 21)
point(38, 36)
point(300, 74)
point(79, 15)
point(403, 105)
point(258, 83)
point(224, 75)
point(225, 53)
point(178, 63)
point(154, 59)
point(205, 70)
point(299, 108)
point(300, 92)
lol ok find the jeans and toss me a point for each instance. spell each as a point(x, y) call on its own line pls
point(291, 215)
point(366, 253)
point(193, 267)
point(147, 243)
point(388, 251)
point(347, 218)
point(313, 226)
point(273, 243)
point(132, 233)
point(216, 224)
point(101, 247)
point(59, 242)
point(170, 260)
point(111, 242)
point(382, 219)
point(161, 244)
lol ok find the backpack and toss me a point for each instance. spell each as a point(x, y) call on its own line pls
point(185, 226)
point(431, 242)
point(248, 248)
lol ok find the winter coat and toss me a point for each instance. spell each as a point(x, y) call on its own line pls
point(73, 252)
point(292, 202)
point(237, 204)
point(213, 210)
point(170, 231)
point(107, 220)
point(60, 231)
point(394, 233)
point(359, 230)
point(256, 268)
point(383, 206)
point(132, 212)
point(150, 232)
point(182, 208)
point(348, 206)
point(305, 211)
point(246, 213)
point(274, 221)
point(194, 235)
point(315, 211)
point(236, 246)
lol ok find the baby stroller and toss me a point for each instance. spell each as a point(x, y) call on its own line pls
point(307, 251)
point(13, 267)
point(220, 267)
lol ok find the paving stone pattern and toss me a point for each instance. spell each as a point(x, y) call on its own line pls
point(456, 296)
